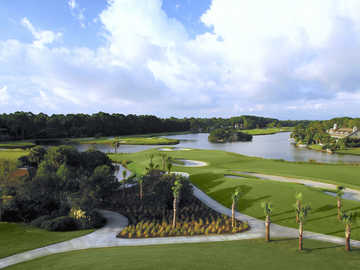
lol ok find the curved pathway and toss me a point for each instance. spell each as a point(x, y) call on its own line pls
point(106, 236)
point(349, 194)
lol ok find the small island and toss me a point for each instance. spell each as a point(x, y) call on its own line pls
point(228, 135)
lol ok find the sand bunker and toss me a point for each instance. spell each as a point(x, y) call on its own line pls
point(190, 163)
point(174, 149)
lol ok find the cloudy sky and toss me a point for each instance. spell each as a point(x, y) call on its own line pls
point(287, 59)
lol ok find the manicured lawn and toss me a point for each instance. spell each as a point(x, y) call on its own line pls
point(16, 238)
point(211, 179)
point(267, 131)
point(322, 218)
point(225, 162)
point(12, 154)
point(245, 254)
point(130, 140)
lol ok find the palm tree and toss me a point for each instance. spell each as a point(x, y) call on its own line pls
point(339, 194)
point(267, 206)
point(151, 165)
point(299, 198)
point(169, 164)
point(176, 192)
point(124, 173)
point(348, 219)
point(303, 213)
point(235, 198)
point(163, 157)
point(116, 145)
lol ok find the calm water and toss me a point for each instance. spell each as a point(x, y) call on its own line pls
point(274, 146)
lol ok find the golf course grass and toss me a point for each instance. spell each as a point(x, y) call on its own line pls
point(245, 254)
point(267, 131)
point(16, 238)
point(129, 140)
point(12, 154)
point(225, 162)
point(17, 144)
point(210, 179)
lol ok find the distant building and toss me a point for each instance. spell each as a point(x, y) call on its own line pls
point(341, 133)
point(238, 126)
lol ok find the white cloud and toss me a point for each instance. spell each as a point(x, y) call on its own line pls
point(72, 4)
point(272, 58)
point(4, 96)
point(77, 12)
point(41, 37)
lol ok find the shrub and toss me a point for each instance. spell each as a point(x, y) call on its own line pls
point(61, 224)
point(40, 220)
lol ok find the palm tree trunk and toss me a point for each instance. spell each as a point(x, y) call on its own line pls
point(298, 203)
point(339, 209)
point(267, 226)
point(347, 236)
point(174, 216)
point(301, 236)
point(141, 191)
point(233, 214)
point(1, 204)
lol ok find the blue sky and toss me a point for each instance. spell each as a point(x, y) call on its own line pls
point(291, 60)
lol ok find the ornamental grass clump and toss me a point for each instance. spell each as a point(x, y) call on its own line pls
point(183, 228)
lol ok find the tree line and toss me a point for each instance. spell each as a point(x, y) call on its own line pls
point(27, 125)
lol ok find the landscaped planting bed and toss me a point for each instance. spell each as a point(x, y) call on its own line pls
point(153, 215)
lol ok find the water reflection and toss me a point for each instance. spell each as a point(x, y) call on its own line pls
point(274, 146)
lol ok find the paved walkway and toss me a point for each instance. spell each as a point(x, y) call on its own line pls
point(349, 194)
point(106, 236)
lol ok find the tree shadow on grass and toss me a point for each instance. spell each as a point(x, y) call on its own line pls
point(324, 208)
point(207, 181)
point(284, 239)
point(320, 248)
point(283, 213)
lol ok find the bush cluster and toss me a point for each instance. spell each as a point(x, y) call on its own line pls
point(93, 219)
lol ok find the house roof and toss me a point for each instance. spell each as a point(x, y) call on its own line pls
point(20, 172)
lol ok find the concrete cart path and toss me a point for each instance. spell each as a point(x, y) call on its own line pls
point(349, 194)
point(106, 237)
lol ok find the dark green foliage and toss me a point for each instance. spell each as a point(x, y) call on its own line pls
point(221, 135)
point(63, 179)
point(40, 220)
point(26, 125)
point(60, 224)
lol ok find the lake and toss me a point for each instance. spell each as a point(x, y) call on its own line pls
point(274, 146)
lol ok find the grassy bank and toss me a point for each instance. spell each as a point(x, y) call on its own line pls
point(129, 140)
point(12, 154)
point(348, 151)
point(245, 254)
point(16, 238)
point(267, 131)
point(17, 144)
